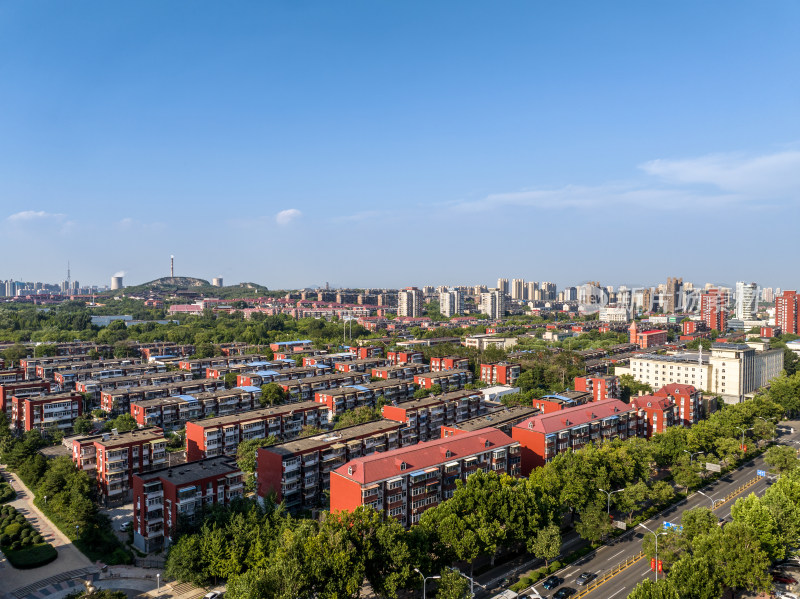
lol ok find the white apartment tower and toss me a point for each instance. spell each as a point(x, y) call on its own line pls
point(493, 303)
point(409, 302)
point(451, 303)
point(517, 289)
point(502, 285)
point(746, 300)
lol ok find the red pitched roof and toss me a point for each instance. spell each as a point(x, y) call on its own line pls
point(675, 389)
point(651, 332)
point(556, 421)
point(380, 466)
point(662, 403)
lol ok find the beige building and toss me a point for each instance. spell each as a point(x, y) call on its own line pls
point(409, 302)
point(733, 370)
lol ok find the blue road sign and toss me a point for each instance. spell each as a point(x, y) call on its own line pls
point(761, 473)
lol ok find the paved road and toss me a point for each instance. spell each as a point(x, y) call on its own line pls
point(605, 558)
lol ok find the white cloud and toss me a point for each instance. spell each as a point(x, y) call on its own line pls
point(767, 176)
point(284, 217)
point(29, 215)
point(696, 183)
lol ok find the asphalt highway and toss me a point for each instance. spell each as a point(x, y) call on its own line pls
point(607, 557)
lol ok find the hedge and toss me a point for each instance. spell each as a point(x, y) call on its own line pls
point(32, 556)
point(7, 493)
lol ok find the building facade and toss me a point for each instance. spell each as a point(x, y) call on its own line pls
point(404, 483)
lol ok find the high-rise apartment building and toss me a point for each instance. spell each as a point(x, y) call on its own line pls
point(746, 300)
point(767, 295)
point(409, 302)
point(493, 303)
point(517, 289)
point(787, 316)
point(531, 290)
point(451, 303)
point(673, 295)
point(713, 310)
point(547, 291)
point(502, 285)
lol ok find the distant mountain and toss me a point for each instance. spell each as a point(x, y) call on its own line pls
point(201, 286)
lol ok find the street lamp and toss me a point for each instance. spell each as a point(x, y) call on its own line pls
point(691, 455)
point(744, 430)
point(609, 494)
point(472, 582)
point(425, 579)
point(711, 499)
point(655, 536)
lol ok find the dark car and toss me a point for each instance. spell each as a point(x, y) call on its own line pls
point(563, 593)
point(783, 578)
point(584, 578)
point(551, 582)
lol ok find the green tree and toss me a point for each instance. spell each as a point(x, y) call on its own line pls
point(757, 516)
point(123, 423)
point(594, 523)
point(782, 458)
point(83, 424)
point(629, 387)
point(546, 544)
point(735, 552)
point(452, 585)
point(272, 394)
point(230, 380)
point(15, 353)
point(686, 473)
point(698, 522)
point(696, 578)
point(246, 452)
point(360, 415)
point(650, 589)
point(184, 560)
point(670, 546)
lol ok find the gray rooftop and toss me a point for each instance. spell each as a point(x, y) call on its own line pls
point(193, 471)
point(342, 435)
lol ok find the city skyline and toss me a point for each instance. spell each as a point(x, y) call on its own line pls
point(584, 151)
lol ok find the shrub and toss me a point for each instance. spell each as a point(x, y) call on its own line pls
point(6, 492)
point(32, 556)
point(556, 565)
point(13, 530)
point(38, 539)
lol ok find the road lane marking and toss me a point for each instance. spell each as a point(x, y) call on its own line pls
point(616, 554)
point(617, 593)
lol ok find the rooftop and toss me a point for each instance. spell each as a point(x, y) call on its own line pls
point(193, 471)
point(341, 435)
point(380, 466)
point(123, 438)
point(569, 417)
point(260, 413)
point(498, 418)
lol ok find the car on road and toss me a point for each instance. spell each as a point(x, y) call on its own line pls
point(783, 578)
point(551, 582)
point(563, 593)
point(584, 578)
point(125, 526)
point(212, 595)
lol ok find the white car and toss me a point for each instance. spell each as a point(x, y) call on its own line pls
point(212, 595)
point(125, 526)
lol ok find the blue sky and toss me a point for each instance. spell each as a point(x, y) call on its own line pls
point(396, 143)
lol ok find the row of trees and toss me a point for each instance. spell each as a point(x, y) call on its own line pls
point(266, 553)
point(704, 558)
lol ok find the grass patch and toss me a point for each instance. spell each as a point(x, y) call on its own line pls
point(32, 556)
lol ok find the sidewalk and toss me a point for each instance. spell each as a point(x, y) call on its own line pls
point(70, 558)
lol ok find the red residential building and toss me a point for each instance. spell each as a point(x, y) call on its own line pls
point(560, 401)
point(404, 357)
point(13, 375)
point(657, 413)
point(787, 314)
point(544, 436)
point(645, 339)
point(401, 371)
point(113, 458)
point(500, 373)
point(46, 412)
point(769, 332)
point(21, 389)
point(448, 380)
point(161, 496)
point(713, 311)
point(298, 472)
point(405, 482)
point(449, 363)
point(601, 387)
point(221, 436)
point(368, 351)
point(688, 401)
point(423, 418)
point(693, 326)
point(349, 397)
